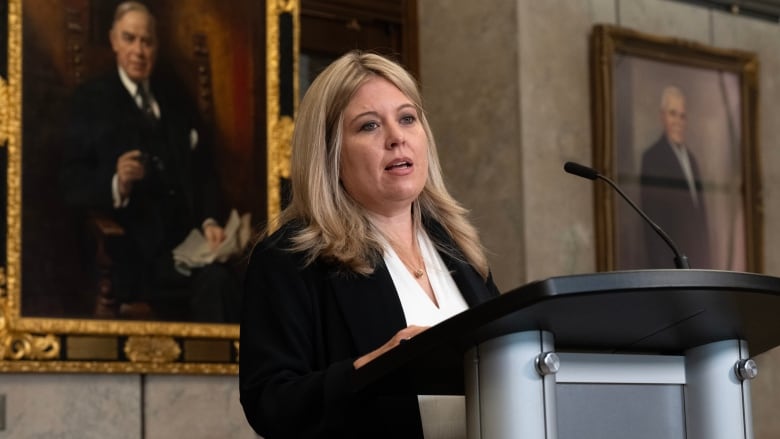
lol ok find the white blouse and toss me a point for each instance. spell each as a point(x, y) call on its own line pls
point(443, 417)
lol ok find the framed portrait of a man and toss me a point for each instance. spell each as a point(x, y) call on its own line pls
point(145, 143)
point(675, 128)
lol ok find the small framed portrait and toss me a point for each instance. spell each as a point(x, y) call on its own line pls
point(675, 127)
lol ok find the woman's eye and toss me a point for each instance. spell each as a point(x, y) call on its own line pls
point(369, 126)
point(406, 120)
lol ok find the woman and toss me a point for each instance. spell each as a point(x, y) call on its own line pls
point(371, 251)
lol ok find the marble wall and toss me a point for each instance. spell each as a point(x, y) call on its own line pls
point(85, 406)
point(517, 71)
point(518, 74)
point(506, 84)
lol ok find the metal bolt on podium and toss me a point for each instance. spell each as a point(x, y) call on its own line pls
point(547, 363)
point(746, 369)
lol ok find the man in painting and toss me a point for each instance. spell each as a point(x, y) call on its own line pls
point(133, 154)
point(671, 190)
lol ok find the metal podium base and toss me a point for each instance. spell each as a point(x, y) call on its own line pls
point(512, 392)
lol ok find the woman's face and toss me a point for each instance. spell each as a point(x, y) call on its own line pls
point(384, 157)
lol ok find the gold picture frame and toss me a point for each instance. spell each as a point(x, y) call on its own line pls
point(52, 343)
point(634, 77)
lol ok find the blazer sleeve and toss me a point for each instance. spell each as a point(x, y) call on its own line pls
point(284, 391)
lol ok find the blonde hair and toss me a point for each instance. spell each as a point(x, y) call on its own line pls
point(335, 227)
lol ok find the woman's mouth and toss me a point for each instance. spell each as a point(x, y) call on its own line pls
point(399, 164)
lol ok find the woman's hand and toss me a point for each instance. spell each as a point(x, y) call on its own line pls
point(402, 335)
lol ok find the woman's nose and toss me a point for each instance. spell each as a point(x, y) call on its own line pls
point(395, 136)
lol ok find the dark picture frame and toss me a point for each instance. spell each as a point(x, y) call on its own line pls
point(238, 63)
point(635, 76)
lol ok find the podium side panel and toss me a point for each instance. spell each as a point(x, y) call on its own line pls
point(512, 399)
point(717, 403)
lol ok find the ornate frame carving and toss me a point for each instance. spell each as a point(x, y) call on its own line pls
point(114, 346)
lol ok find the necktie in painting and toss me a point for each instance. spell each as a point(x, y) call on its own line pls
point(146, 103)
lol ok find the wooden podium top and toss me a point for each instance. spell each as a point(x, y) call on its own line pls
point(647, 311)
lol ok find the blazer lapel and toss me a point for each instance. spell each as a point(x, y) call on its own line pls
point(371, 307)
point(469, 282)
point(471, 285)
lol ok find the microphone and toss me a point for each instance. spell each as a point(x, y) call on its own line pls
point(680, 260)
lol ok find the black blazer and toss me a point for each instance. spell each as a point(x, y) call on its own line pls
point(301, 329)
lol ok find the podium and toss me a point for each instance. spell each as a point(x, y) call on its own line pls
point(639, 354)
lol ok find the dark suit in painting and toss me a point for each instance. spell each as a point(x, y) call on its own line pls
point(302, 328)
point(177, 194)
point(667, 199)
